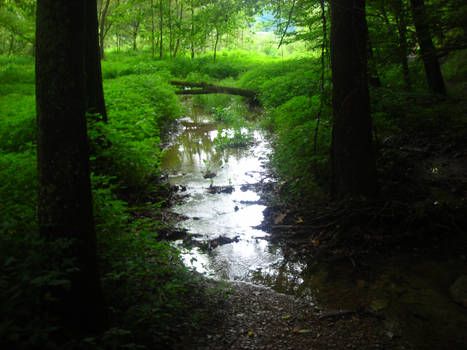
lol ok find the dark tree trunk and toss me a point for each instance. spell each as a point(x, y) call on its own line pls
point(12, 45)
point(427, 48)
point(95, 92)
point(64, 198)
point(373, 76)
point(401, 15)
point(353, 158)
point(216, 43)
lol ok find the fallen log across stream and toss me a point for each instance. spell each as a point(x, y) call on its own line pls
point(206, 88)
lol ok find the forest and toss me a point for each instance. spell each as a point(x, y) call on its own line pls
point(233, 174)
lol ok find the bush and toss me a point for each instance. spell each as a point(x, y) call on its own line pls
point(18, 123)
point(289, 91)
point(18, 192)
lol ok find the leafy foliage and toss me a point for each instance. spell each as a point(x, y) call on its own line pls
point(290, 93)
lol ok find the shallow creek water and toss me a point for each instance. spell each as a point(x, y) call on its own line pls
point(233, 215)
point(412, 294)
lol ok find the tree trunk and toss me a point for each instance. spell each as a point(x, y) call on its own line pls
point(64, 198)
point(153, 31)
point(135, 34)
point(373, 76)
point(102, 28)
point(192, 30)
point(428, 50)
point(215, 44)
point(161, 28)
point(180, 19)
point(170, 30)
point(352, 152)
point(403, 48)
point(95, 92)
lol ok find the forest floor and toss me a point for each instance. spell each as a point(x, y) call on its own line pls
point(246, 316)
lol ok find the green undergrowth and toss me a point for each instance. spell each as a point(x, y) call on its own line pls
point(228, 64)
point(144, 279)
point(290, 93)
point(145, 282)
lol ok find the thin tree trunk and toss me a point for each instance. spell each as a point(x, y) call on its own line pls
point(12, 45)
point(95, 91)
point(180, 19)
point(102, 28)
point(324, 45)
point(161, 28)
point(153, 31)
point(403, 49)
point(135, 34)
point(215, 44)
point(192, 30)
point(170, 29)
point(64, 198)
point(117, 37)
point(352, 152)
point(373, 76)
point(427, 48)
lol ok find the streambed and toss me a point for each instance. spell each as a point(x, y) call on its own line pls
point(193, 162)
point(411, 293)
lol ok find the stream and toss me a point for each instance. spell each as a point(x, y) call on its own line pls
point(411, 293)
point(233, 215)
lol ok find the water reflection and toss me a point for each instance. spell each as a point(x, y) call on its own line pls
point(232, 215)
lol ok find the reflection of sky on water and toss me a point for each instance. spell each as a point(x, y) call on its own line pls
point(227, 214)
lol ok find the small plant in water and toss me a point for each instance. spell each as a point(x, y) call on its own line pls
point(240, 137)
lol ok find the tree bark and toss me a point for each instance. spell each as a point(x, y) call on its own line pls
point(427, 48)
point(94, 89)
point(352, 151)
point(64, 197)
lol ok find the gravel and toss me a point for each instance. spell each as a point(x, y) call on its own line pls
point(246, 316)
